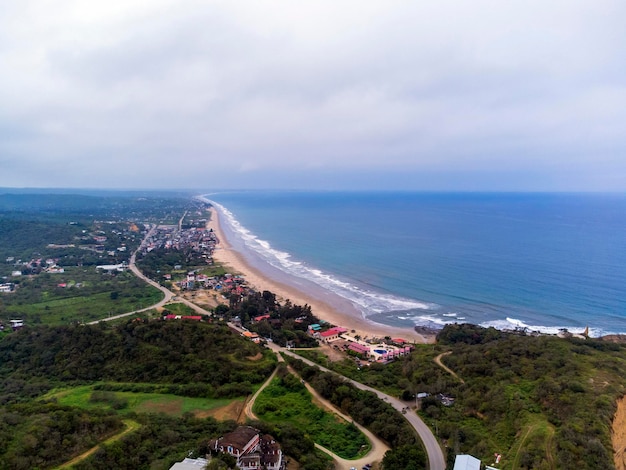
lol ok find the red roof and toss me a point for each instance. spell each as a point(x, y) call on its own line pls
point(359, 348)
point(333, 331)
point(183, 317)
point(399, 340)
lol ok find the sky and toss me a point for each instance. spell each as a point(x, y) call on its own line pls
point(446, 95)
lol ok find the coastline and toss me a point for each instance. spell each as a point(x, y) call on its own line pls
point(347, 316)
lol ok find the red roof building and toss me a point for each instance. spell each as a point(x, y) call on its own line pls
point(332, 333)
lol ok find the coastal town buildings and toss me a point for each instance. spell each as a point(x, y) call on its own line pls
point(371, 350)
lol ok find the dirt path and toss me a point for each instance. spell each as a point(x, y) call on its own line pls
point(250, 403)
point(446, 368)
point(549, 444)
point(130, 427)
point(618, 435)
point(516, 459)
point(377, 451)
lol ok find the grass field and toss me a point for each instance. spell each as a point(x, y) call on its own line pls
point(179, 308)
point(287, 400)
point(88, 296)
point(126, 402)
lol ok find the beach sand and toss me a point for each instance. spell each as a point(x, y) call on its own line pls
point(348, 316)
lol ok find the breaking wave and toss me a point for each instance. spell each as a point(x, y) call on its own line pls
point(367, 301)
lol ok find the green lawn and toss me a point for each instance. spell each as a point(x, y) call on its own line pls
point(179, 308)
point(287, 400)
point(126, 402)
point(89, 295)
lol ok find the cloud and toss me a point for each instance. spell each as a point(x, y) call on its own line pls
point(211, 93)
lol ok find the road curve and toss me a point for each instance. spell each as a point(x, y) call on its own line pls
point(168, 295)
point(436, 458)
point(378, 448)
point(435, 454)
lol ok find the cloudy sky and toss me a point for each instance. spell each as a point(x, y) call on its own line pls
point(442, 95)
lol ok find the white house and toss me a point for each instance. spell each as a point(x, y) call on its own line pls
point(466, 462)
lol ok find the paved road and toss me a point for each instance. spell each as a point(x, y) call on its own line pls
point(435, 454)
point(378, 448)
point(168, 295)
point(377, 452)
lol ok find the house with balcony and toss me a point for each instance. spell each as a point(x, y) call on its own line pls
point(252, 450)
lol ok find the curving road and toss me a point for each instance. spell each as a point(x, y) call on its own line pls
point(436, 458)
point(378, 448)
point(435, 454)
point(168, 295)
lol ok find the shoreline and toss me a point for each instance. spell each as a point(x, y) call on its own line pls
point(347, 316)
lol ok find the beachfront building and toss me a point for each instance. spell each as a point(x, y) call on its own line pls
point(252, 451)
point(361, 349)
point(332, 334)
point(385, 353)
point(378, 351)
point(314, 328)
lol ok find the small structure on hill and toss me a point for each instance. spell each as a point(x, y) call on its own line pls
point(190, 464)
point(466, 462)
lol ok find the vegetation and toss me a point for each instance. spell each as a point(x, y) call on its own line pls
point(41, 435)
point(96, 375)
point(162, 260)
point(287, 323)
point(383, 377)
point(112, 396)
point(78, 295)
point(297, 444)
point(180, 357)
point(286, 400)
point(159, 442)
point(366, 409)
point(542, 402)
point(75, 233)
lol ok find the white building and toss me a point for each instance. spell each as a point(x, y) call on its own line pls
point(190, 464)
point(466, 462)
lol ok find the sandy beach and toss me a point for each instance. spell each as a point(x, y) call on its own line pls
point(349, 317)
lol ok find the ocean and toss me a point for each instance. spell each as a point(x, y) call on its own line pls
point(537, 261)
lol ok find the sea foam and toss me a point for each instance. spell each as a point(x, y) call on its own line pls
point(367, 301)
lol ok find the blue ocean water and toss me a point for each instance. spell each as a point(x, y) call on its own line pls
point(544, 261)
